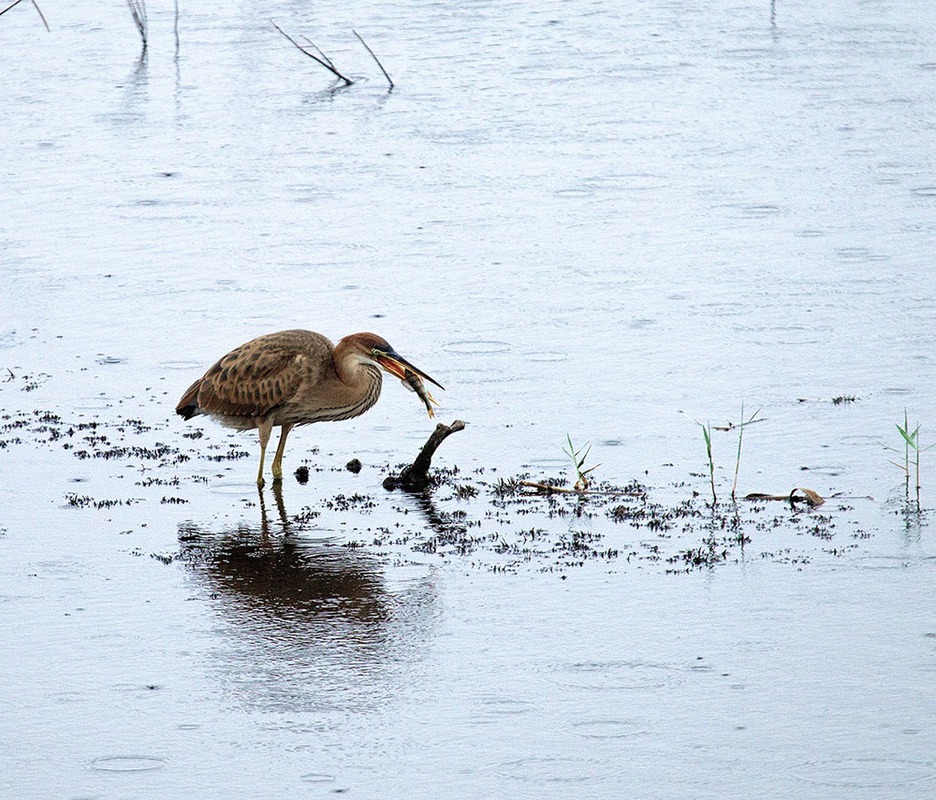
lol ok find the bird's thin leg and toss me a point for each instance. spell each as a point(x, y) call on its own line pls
point(264, 429)
point(280, 449)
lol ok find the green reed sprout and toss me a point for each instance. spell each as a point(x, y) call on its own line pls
point(912, 452)
point(578, 463)
point(741, 427)
point(707, 429)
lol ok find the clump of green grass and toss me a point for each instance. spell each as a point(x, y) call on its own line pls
point(578, 463)
point(707, 429)
point(912, 452)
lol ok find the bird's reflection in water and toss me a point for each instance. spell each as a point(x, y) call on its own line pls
point(306, 624)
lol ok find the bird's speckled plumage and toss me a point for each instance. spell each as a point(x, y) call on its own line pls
point(293, 377)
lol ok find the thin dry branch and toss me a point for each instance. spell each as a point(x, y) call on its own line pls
point(320, 52)
point(41, 16)
point(546, 488)
point(732, 426)
point(325, 61)
point(374, 56)
point(14, 4)
point(549, 488)
point(34, 5)
point(138, 12)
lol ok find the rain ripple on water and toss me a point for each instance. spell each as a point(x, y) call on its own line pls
point(865, 773)
point(127, 763)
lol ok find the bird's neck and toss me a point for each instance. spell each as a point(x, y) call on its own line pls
point(362, 384)
point(362, 381)
point(351, 371)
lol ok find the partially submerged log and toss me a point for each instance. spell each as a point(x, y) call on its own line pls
point(415, 477)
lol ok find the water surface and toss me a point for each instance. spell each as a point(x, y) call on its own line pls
point(584, 219)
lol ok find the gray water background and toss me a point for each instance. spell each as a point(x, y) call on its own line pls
point(583, 219)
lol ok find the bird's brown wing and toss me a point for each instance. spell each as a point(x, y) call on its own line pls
point(251, 381)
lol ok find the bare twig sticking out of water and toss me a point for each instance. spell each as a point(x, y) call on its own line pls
point(41, 16)
point(34, 5)
point(14, 4)
point(322, 59)
point(176, 28)
point(415, 477)
point(374, 56)
point(322, 55)
point(138, 12)
point(549, 488)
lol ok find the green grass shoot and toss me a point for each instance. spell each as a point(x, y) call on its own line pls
point(913, 449)
point(579, 457)
point(707, 433)
point(707, 429)
point(744, 423)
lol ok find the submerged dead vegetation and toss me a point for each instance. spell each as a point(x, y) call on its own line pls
point(492, 522)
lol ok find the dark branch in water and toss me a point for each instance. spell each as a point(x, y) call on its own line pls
point(321, 53)
point(324, 60)
point(415, 477)
point(374, 56)
point(41, 16)
point(15, 3)
point(138, 12)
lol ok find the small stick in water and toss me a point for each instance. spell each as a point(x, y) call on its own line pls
point(415, 477)
point(374, 56)
point(325, 61)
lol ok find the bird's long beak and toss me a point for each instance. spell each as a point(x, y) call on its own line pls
point(395, 364)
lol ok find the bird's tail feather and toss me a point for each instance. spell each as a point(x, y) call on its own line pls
point(188, 405)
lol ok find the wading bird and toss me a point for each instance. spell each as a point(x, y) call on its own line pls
point(294, 378)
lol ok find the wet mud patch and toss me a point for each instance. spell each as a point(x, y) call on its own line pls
point(489, 522)
point(630, 525)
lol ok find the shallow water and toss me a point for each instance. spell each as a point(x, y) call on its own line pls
point(583, 220)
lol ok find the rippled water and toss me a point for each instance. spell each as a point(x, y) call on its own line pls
point(583, 218)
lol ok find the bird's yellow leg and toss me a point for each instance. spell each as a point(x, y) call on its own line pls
point(263, 429)
point(280, 449)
